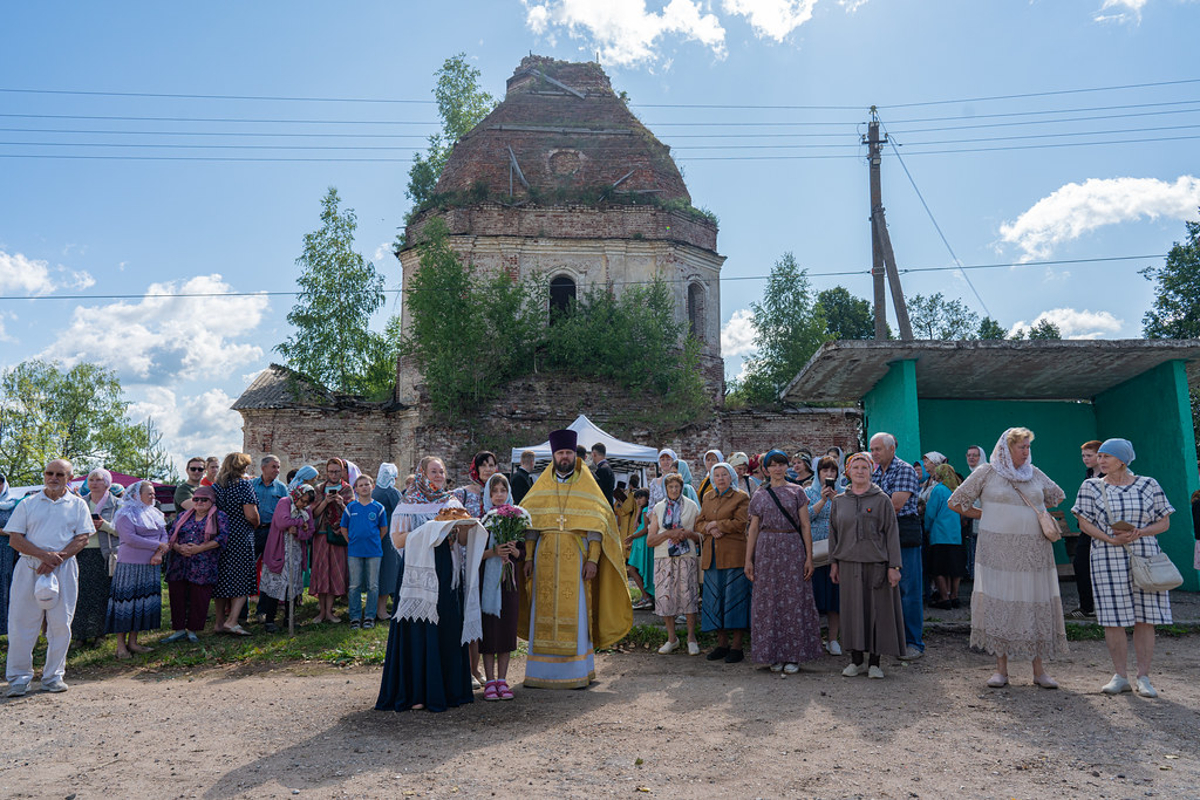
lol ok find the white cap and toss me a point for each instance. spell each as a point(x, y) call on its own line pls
point(45, 591)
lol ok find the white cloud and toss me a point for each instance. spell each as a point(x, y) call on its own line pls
point(21, 274)
point(1123, 11)
point(1073, 324)
point(165, 335)
point(625, 31)
point(737, 335)
point(773, 19)
point(851, 5)
point(1076, 209)
point(191, 425)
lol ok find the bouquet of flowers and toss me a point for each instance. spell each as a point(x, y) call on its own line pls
point(507, 523)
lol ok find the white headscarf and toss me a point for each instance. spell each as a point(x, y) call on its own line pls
point(144, 515)
point(386, 478)
point(935, 457)
point(733, 476)
point(720, 456)
point(488, 505)
point(983, 457)
point(1002, 461)
point(666, 451)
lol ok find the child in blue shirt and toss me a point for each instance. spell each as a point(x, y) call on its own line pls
point(364, 524)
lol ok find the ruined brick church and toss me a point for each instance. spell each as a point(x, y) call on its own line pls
point(560, 180)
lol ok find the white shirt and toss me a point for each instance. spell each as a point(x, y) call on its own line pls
point(51, 524)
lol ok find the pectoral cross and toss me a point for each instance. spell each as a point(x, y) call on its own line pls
point(561, 522)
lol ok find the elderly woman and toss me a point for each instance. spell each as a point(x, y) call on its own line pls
point(200, 532)
point(1124, 513)
point(286, 554)
point(820, 502)
point(1016, 608)
point(673, 537)
point(236, 580)
point(135, 602)
point(725, 606)
point(864, 552)
point(427, 664)
point(947, 559)
point(98, 560)
point(783, 616)
point(666, 465)
point(8, 556)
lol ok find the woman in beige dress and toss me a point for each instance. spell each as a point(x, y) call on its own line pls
point(1016, 608)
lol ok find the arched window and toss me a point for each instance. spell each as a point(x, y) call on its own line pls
point(562, 294)
point(695, 308)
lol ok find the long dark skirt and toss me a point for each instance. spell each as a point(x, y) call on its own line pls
point(8, 558)
point(427, 663)
point(91, 608)
point(500, 633)
point(872, 619)
point(135, 601)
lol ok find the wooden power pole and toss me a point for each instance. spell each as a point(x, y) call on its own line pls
point(883, 260)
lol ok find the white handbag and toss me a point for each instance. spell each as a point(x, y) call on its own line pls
point(1156, 573)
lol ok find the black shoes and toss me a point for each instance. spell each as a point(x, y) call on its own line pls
point(734, 656)
point(717, 654)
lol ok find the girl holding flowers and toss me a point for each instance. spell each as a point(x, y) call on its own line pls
point(502, 562)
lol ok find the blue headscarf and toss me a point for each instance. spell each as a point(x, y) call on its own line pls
point(689, 491)
point(491, 598)
point(303, 476)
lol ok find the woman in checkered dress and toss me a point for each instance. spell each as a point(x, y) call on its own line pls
point(1141, 502)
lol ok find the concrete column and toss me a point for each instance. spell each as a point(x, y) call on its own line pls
point(891, 406)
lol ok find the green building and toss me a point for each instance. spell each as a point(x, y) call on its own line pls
point(947, 396)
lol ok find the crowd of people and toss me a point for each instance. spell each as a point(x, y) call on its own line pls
point(762, 544)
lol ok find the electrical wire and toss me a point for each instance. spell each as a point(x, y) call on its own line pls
point(826, 274)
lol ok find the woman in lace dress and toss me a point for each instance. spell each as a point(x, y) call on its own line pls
point(1016, 608)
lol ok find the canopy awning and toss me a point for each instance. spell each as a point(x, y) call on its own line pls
point(622, 456)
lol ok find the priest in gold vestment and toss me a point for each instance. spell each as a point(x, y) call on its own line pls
point(576, 598)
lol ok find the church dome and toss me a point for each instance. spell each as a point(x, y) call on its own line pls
point(562, 135)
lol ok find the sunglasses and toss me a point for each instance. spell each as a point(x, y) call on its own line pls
point(195, 469)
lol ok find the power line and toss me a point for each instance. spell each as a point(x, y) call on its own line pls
point(401, 101)
point(937, 227)
point(833, 273)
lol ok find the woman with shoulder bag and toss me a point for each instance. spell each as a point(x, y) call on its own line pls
point(1124, 513)
point(1016, 607)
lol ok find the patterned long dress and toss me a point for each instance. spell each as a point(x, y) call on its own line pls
point(783, 616)
point(1016, 607)
point(330, 569)
point(237, 569)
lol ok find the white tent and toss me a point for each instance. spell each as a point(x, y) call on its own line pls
point(624, 457)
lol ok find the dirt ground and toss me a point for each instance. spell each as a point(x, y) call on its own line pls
point(672, 725)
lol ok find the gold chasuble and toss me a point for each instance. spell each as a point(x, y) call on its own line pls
point(563, 513)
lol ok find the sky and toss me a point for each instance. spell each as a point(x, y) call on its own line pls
point(161, 163)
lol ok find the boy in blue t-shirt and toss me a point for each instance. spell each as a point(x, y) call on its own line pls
point(364, 524)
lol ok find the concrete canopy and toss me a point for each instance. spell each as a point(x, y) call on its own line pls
point(988, 369)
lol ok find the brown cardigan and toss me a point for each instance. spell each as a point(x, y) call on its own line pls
point(731, 512)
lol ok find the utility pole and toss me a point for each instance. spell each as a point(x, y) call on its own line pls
point(883, 260)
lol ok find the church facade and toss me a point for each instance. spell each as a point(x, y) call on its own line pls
point(562, 181)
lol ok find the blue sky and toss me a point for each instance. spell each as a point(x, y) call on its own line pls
point(747, 92)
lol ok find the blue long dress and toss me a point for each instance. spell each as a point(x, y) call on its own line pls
point(427, 663)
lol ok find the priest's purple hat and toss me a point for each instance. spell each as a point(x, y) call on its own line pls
point(564, 439)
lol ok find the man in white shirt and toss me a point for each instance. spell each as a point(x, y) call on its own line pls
point(47, 530)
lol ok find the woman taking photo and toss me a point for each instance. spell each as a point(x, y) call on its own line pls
point(783, 616)
point(820, 502)
point(200, 532)
point(1016, 608)
point(330, 576)
point(135, 603)
point(864, 550)
point(1124, 513)
point(236, 580)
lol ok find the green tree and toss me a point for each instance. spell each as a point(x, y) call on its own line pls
point(339, 292)
point(1044, 330)
point(79, 414)
point(990, 329)
point(461, 105)
point(846, 316)
point(1176, 310)
point(788, 329)
point(935, 317)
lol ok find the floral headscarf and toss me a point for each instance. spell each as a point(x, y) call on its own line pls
point(1002, 462)
point(422, 492)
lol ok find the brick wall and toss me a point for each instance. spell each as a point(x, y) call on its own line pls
point(368, 434)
